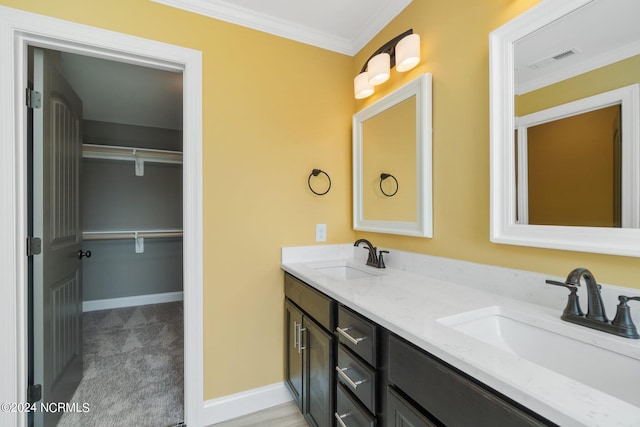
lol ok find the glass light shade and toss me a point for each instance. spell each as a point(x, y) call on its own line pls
point(361, 86)
point(408, 52)
point(379, 69)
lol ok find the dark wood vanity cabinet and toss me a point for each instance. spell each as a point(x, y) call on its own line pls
point(309, 351)
point(344, 370)
point(445, 396)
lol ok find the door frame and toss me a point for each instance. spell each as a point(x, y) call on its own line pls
point(19, 29)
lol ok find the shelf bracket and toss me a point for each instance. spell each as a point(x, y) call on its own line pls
point(139, 164)
point(139, 243)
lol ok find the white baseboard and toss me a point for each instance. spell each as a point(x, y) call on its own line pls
point(104, 304)
point(244, 403)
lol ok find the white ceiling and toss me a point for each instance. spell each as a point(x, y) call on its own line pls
point(343, 26)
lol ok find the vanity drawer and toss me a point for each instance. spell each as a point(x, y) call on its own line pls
point(317, 305)
point(358, 334)
point(349, 413)
point(357, 377)
point(448, 395)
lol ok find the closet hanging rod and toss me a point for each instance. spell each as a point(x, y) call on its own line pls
point(106, 235)
point(112, 152)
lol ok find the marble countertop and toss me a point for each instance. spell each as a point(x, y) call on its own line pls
point(410, 304)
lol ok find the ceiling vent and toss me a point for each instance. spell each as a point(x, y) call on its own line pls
point(553, 58)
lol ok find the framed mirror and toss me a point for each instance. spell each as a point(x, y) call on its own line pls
point(562, 73)
point(392, 162)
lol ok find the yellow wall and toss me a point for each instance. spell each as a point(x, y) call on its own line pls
point(455, 49)
point(273, 110)
point(603, 79)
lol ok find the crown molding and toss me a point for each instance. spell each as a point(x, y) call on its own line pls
point(225, 11)
point(375, 25)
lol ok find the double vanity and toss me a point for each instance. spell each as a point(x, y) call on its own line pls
point(429, 341)
point(433, 341)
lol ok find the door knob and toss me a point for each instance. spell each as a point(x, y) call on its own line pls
point(83, 254)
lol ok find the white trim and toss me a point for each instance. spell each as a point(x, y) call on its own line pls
point(522, 196)
point(228, 12)
point(17, 30)
point(134, 301)
point(244, 403)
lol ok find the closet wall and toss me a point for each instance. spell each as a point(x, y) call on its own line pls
point(117, 202)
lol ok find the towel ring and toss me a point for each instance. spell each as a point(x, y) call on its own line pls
point(384, 176)
point(317, 172)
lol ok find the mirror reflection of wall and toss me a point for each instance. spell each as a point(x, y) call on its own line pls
point(575, 171)
point(602, 79)
point(390, 147)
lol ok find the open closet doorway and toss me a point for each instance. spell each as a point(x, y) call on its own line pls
point(111, 182)
point(20, 30)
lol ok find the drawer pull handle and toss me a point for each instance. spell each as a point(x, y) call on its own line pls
point(343, 332)
point(340, 417)
point(352, 383)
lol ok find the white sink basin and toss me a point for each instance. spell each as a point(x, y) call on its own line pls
point(559, 347)
point(341, 270)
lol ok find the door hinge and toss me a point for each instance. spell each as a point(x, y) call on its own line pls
point(34, 393)
point(34, 99)
point(34, 246)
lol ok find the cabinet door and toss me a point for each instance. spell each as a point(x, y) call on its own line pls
point(401, 413)
point(319, 378)
point(293, 352)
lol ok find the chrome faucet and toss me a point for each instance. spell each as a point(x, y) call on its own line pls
point(374, 260)
point(596, 318)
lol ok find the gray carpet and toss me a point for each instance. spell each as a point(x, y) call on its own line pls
point(133, 368)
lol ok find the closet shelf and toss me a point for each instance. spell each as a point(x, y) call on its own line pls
point(129, 234)
point(113, 152)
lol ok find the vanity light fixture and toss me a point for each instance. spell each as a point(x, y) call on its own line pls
point(402, 51)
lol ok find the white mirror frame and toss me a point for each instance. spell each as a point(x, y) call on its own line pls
point(423, 226)
point(504, 229)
